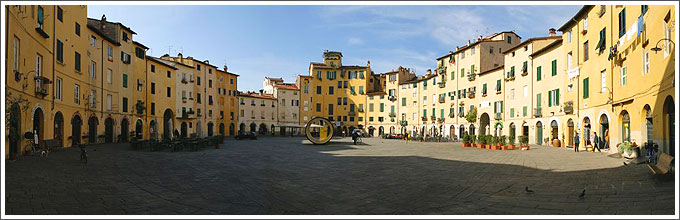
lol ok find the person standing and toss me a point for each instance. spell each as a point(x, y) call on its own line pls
point(576, 142)
point(606, 139)
point(596, 142)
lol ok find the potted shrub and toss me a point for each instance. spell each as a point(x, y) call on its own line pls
point(490, 142)
point(466, 140)
point(502, 142)
point(481, 141)
point(511, 143)
point(474, 140)
point(524, 143)
point(627, 150)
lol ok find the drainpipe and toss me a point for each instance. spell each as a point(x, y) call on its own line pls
point(54, 24)
point(611, 73)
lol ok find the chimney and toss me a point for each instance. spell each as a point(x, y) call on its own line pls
point(225, 67)
point(551, 32)
point(103, 22)
point(429, 71)
point(207, 61)
point(261, 90)
point(468, 43)
point(368, 63)
point(179, 55)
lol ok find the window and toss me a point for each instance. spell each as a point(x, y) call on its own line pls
point(125, 104)
point(318, 107)
point(585, 88)
point(169, 94)
point(604, 81)
point(403, 101)
point(125, 80)
point(602, 44)
point(125, 36)
point(524, 111)
point(554, 97)
point(76, 94)
point(585, 51)
point(170, 76)
point(526, 91)
point(624, 75)
point(498, 85)
point(198, 80)
point(198, 66)
point(330, 90)
point(306, 89)
point(344, 101)
point(643, 9)
point(153, 88)
point(60, 14)
point(538, 73)
point(57, 85)
point(554, 68)
point(622, 22)
point(109, 74)
point(484, 89)
point(108, 102)
point(382, 107)
point(509, 39)
point(361, 90)
point(15, 54)
point(60, 51)
point(77, 61)
point(77, 29)
point(645, 62)
point(569, 36)
point(125, 57)
point(93, 41)
point(569, 61)
point(139, 85)
point(472, 51)
point(318, 90)
point(109, 52)
point(139, 52)
point(153, 108)
point(40, 17)
point(153, 68)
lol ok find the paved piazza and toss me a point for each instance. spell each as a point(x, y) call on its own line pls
point(291, 176)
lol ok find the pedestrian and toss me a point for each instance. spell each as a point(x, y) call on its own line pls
point(343, 133)
point(576, 142)
point(596, 142)
point(606, 138)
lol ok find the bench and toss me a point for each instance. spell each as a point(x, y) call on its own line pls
point(663, 164)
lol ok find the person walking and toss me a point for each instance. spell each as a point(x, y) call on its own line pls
point(606, 139)
point(596, 142)
point(576, 142)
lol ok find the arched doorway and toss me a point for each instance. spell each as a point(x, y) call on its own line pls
point(371, 130)
point(604, 126)
point(167, 124)
point(647, 125)
point(139, 130)
point(669, 124)
point(461, 131)
point(210, 129)
point(586, 131)
point(92, 129)
point(512, 130)
point(124, 130)
point(14, 129)
point(153, 130)
point(554, 129)
point(498, 129)
point(392, 130)
point(484, 124)
point(108, 130)
point(452, 131)
point(222, 132)
point(539, 133)
point(231, 129)
point(253, 127)
point(525, 130)
point(241, 128)
point(624, 118)
point(76, 125)
point(59, 128)
point(184, 130)
point(263, 129)
point(381, 130)
point(472, 129)
point(282, 130)
point(38, 124)
point(570, 132)
point(272, 130)
point(199, 128)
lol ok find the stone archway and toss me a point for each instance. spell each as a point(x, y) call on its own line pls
point(92, 129)
point(647, 125)
point(624, 119)
point(586, 131)
point(263, 129)
point(381, 130)
point(472, 129)
point(241, 128)
point(603, 126)
point(570, 132)
point(554, 130)
point(38, 124)
point(184, 129)
point(452, 131)
point(539, 133)
point(253, 127)
point(232, 127)
point(210, 129)
point(484, 121)
point(108, 130)
point(153, 130)
point(59, 128)
point(371, 130)
point(139, 130)
point(168, 124)
point(512, 132)
point(222, 131)
point(669, 125)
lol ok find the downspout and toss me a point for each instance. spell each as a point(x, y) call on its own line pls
point(7, 43)
point(611, 63)
point(102, 80)
point(146, 93)
point(54, 24)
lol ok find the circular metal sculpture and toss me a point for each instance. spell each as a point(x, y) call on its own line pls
point(319, 130)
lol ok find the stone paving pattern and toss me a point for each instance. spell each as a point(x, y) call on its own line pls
point(291, 176)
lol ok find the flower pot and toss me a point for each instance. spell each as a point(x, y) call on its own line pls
point(504, 147)
point(556, 143)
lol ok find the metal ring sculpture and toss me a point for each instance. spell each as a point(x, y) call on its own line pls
point(319, 130)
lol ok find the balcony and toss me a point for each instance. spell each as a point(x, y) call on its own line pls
point(440, 120)
point(537, 112)
point(184, 99)
point(41, 88)
point(452, 115)
point(352, 113)
point(471, 77)
point(403, 123)
point(360, 110)
point(184, 81)
point(442, 100)
point(423, 118)
point(433, 118)
point(471, 94)
point(441, 84)
point(568, 107)
point(392, 114)
point(392, 98)
point(190, 112)
point(498, 116)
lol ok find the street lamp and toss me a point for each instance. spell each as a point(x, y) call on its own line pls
point(656, 47)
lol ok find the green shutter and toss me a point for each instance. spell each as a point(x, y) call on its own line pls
point(554, 67)
point(585, 88)
point(495, 108)
point(549, 99)
point(538, 100)
point(557, 96)
point(392, 109)
point(498, 85)
point(403, 101)
point(124, 80)
point(425, 113)
point(442, 113)
point(501, 106)
point(538, 73)
point(453, 75)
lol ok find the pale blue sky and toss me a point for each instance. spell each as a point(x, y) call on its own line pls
point(280, 41)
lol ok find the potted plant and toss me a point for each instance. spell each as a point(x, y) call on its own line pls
point(481, 139)
point(466, 140)
point(511, 143)
point(627, 150)
point(490, 142)
point(473, 140)
point(524, 143)
point(502, 142)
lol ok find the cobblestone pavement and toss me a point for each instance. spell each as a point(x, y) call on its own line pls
point(291, 176)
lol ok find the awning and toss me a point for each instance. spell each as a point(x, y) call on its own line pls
point(290, 125)
point(498, 123)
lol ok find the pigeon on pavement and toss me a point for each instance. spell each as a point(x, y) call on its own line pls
point(527, 190)
point(583, 194)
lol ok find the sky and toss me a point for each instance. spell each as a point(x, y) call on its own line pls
point(279, 41)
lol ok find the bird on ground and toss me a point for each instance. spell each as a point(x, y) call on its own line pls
point(527, 190)
point(624, 163)
point(583, 194)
